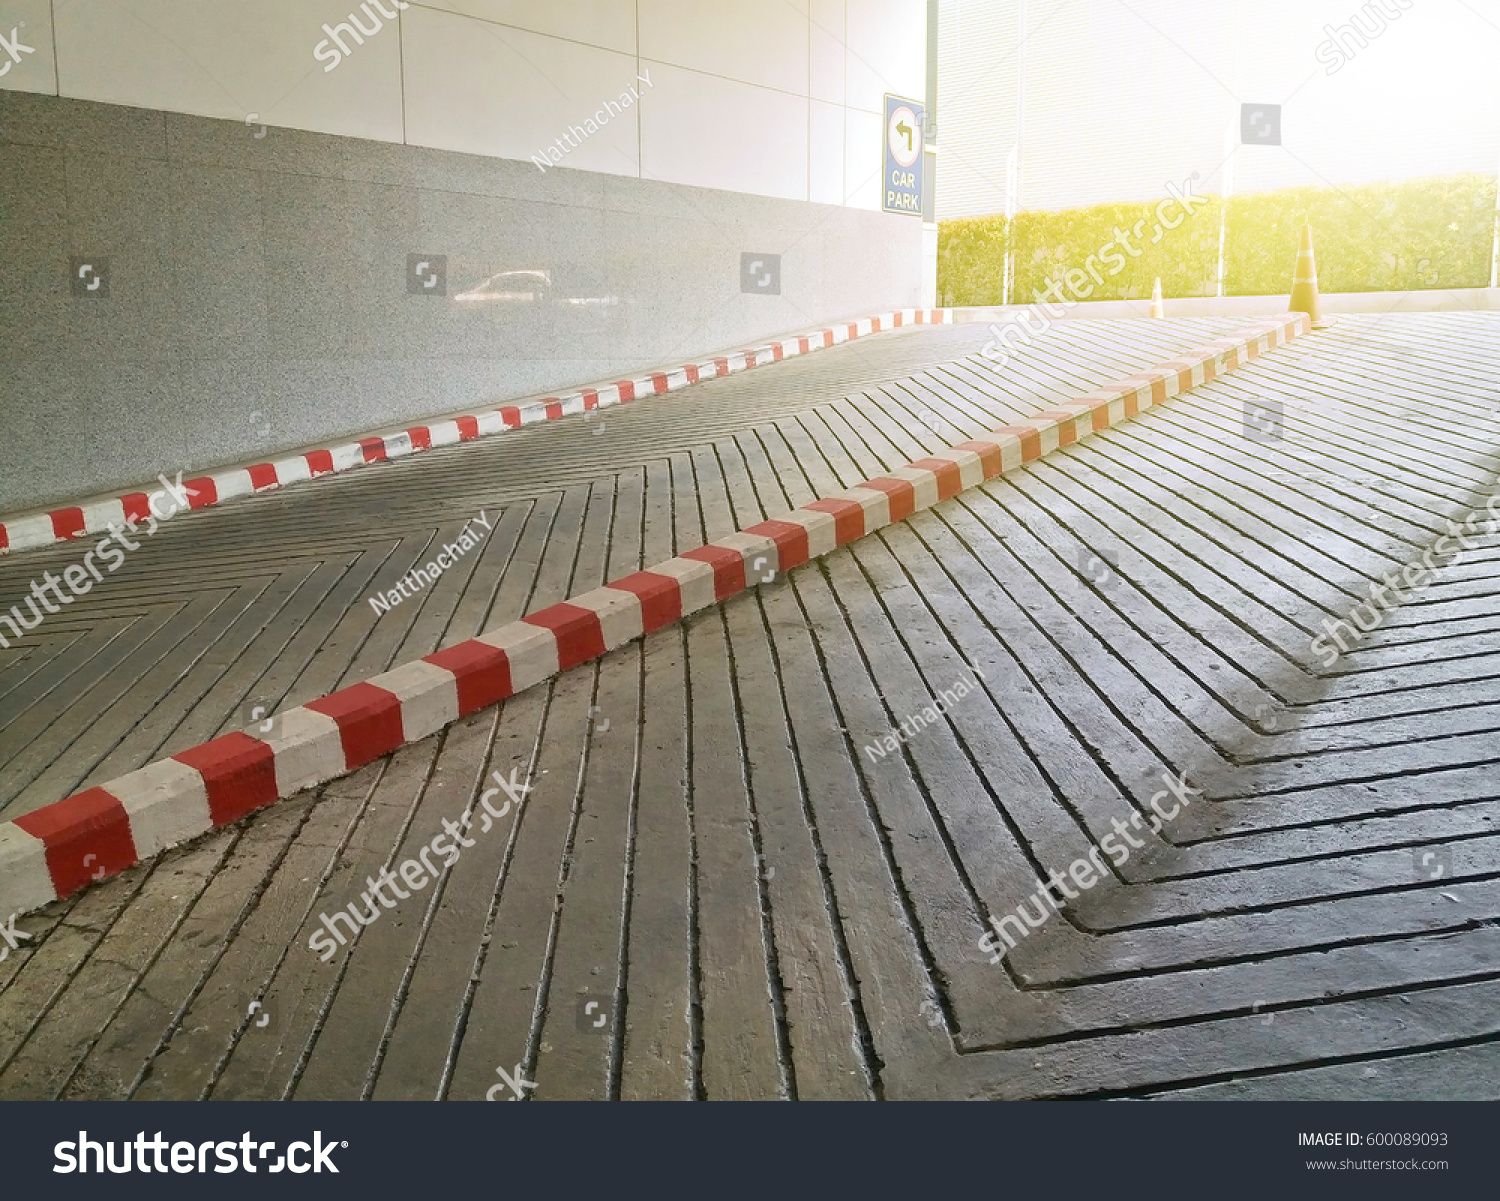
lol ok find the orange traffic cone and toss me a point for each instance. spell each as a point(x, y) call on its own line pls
point(1156, 306)
point(1305, 284)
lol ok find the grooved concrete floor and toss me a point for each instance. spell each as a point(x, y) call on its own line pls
point(714, 889)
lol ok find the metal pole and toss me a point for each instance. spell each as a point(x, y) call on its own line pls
point(1010, 216)
point(1495, 246)
point(1013, 161)
point(1226, 189)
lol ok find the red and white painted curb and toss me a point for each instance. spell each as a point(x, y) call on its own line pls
point(56, 850)
point(96, 516)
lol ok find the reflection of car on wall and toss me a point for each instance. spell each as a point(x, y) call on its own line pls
point(528, 287)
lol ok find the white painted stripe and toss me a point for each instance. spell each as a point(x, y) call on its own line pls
point(822, 530)
point(428, 695)
point(351, 454)
point(875, 503)
point(758, 551)
point(620, 617)
point(308, 749)
point(167, 802)
point(397, 445)
point(530, 649)
point(25, 882)
point(232, 483)
point(923, 481)
point(694, 578)
point(25, 532)
point(291, 471)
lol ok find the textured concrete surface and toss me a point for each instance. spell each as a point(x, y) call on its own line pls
point(752, 902)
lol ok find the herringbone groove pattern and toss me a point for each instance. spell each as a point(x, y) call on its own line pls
point(757, 905)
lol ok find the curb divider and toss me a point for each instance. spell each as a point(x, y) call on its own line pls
point(97, 516)
point(54, 851)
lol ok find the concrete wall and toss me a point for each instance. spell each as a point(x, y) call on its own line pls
point(257, 212)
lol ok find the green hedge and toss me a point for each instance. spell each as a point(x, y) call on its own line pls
point(1422, 233)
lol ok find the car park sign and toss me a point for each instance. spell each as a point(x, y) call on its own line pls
point(901, 189)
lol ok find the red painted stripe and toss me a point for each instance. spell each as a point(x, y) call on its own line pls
point(827, 337)
point(319, 462)
point(202, 492)
point(263, 475)
point(1066, 431)
point(4, 537)
point(853, 332)
point(691, 369)
point(627, 391)
point(66, 523)
point(481, 671)
point(728, 565)
point(91, 825)
point(803, 345)
point(899, 318)
point(660, 597)
point(1159, 390)
point(1031, 440)
point(137, 506)
point(721, 366)
point(991, 461)
point(421, 437)
point(848, 518)
point(554, 410)
point(776, 352)
point(508, 414)
point(468, 428)
point(239, 773)
point(1100, 408)
point(579, 634)
point(902, 493)
point(373, 449)
point(874, 325)
point(949, 475)
point(369, 721)
point(659, 382)
point(790, 539)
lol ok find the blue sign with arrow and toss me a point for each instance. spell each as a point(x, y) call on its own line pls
point(901, 189)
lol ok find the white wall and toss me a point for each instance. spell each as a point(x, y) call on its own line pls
point(778, 98)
